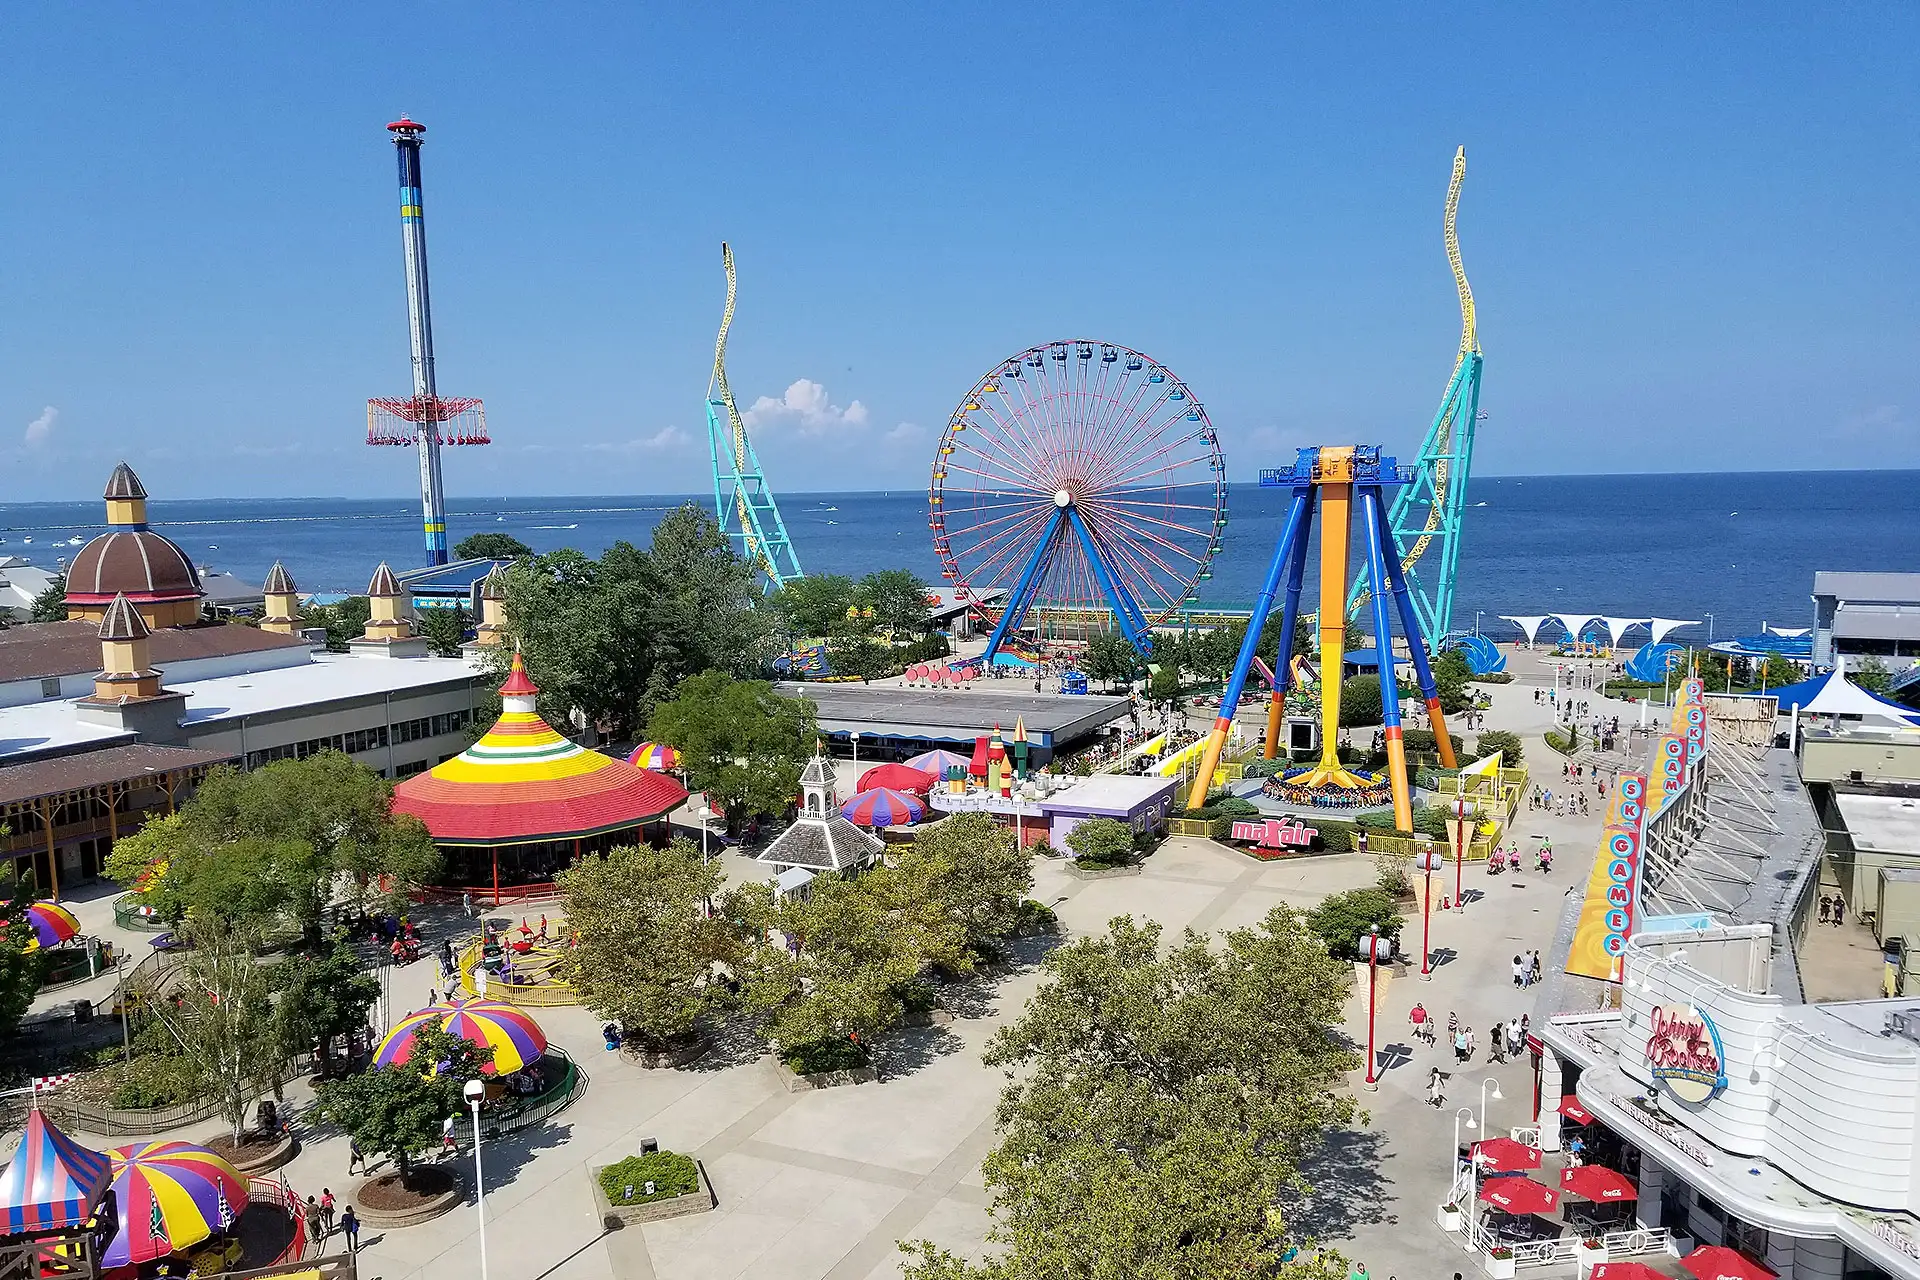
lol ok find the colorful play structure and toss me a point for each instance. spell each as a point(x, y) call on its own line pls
point(1332, 479)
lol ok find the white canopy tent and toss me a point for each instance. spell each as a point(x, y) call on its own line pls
point(1529, 623)
point(1660, 627)
point(1839, 696)
point(1573, 622)
point(1615, 626)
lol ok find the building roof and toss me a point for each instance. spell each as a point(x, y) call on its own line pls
point(122, 621)
point(818, 773)
point(453, 580)
point(383, 584)
point(279, 581)
point(1876, 620)
point(952, 715)
point(223, 588)
point(124, 485)
point(42, 649)
point(327, 677)
point(1887, 588)
point(1113, 793)
point(1880, 823)
point(127, 763)
point(147, 566)
point(829, 844)
point(523, 782)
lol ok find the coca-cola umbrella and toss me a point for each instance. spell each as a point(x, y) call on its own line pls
point(1520, 1196)
point(1597, 1182)
point(1504, 1155)
point(1625, 1271)
point(1570, 1108)
point(1717, 1262)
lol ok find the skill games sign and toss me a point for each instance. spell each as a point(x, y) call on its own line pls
point(1613, 887)
point(1276, 833)
point(1684, 1050)
point(1669, 771)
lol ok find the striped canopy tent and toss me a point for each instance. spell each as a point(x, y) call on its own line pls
point(937, 762)
point(654, 755)
point(516, 1040)
point(883, 807)
point(525, 784)
point(899, 777)
point(170, 1196)
point(53, 1183)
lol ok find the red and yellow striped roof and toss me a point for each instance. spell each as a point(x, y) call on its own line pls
point(523, 782)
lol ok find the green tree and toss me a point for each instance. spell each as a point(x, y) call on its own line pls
point(20, 968)
point(1165, 685)
point(50, 605)
point(739, 741)
point(1779, 671)
point(898, 599)
point(1341, 920)
point(397, 1110)
point(1870, 674)
point(1360, 702)
point(1213, 653)
point(646, 950)
point(344, 620)
point(220, 1013)
point(1112, 659)
point(1105, 842)
point(491, 546)
point(1160, 1106)
point(1450, 676)
point(1507, 743)
point(977, 871)
point(321, 997)
point(445, 629)
point(815, 607)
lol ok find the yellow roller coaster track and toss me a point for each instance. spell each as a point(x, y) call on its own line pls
point(1469, 346)
point(719, 384)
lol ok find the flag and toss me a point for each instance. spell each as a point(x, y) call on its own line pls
point(1488, 768)
point(1381, 978)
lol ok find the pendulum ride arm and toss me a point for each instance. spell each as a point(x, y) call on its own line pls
point(1375, 520)
point(1289, 619)
point(1022, 596)
point(1291, 550)
point(1133, 623)
point(1423, 670)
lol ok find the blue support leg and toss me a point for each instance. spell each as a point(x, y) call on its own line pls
point(1132, 628)
point(1289, 619)
point(1022, 597)
point(1416, 645)
point(1376, 522)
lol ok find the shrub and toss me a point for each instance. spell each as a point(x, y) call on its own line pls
point(916, 996)
point(1423, 740)
point(1359, 702)
point(1500, 740)
point(834, 1054)
point(1036, 918)
point(1565, 743)
point(1102, 842)
point(1264, 768)
point(155, 1080)
point(1236, 807)
point(1342, 919)
point(1493, 677)
point(671, 1173)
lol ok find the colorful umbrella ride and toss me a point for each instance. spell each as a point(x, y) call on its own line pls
point(52, 924)
point(1625, 1271)
point(937, 762)
point(1717, 1262)
point(1520, 1195)
point(883, 807)
point(1504, 1155)
point(654, 755)
point(172, 1195)
point(1570, 1108)
point(516, 1040)
point(53, 1182)
point(1597, 1182)
point(899, 777)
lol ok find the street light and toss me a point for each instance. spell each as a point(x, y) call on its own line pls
point(1453, 1157)
point(1497, 1095)
point(1371, 944)
point(1427, 863)
point(476, 1091)
point(854, 738)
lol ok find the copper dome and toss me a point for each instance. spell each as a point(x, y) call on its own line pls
point(139, 563)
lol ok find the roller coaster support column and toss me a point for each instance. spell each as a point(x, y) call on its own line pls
point(1022, 596)
point(1289, 619)
point(1422, 669)
point(1299, 521)
point(1375, 518)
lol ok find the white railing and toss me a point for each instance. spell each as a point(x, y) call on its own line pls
point(1526, 1134)
point(1638, 1240)
point(1566, 1248)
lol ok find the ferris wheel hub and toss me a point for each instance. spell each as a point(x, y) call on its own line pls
point(1061, 498)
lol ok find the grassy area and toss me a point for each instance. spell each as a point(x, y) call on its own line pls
point(671, 1174)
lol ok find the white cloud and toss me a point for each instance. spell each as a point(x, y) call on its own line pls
point(664, 438)
point(41, 427)
point(904, 433)
point(806, 407)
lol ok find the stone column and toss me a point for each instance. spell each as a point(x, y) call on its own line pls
point(1653, 1181)
point(1780, 1254)
point(1823, 1259)
point(1550, 1093)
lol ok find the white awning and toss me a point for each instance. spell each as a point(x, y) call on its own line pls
point(1661, 626)
point(1573, 622)
point(1529, 623)
point(1617, 625)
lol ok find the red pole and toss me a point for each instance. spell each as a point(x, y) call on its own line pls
point(1373, 952)
point(1459, 852)
point(496, 878)
point(1426, 922)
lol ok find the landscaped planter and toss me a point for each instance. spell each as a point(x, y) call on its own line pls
point(615, 1216)
point(1500, 1268)
point(1585, 1256)
point(926, 1018)
point(677, 1056)
point(382, 1202)
point(1079, 872)
point(1449, 1218)
point(797, 1083)
point(254, 1155)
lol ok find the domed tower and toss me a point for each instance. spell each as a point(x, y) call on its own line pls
point(150, 570)
point(389, 630)
point(283, 602)
point(493, 611)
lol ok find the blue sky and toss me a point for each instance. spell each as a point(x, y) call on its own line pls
point(1690, 229)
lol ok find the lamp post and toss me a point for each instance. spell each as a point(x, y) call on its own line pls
point(1497, 1095)
point(1371, 945)
point(854, 738)
point(1459, 825)
point(1428, 862)
point(1453, 1156)
point(475, 1091)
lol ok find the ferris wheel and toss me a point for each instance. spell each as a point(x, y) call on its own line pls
point(1075, 479)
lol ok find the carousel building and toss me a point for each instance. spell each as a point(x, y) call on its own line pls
point(524, 802)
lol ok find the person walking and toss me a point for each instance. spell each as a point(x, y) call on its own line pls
point(350, 1228)
point(311, 1210)
point(326, 1209)
point(1839, 910)
point(1534, 968)
point(355, 1156)
point(447, 1141)
point(1519, 972)
point(1436, 1087)
point(1418, 1017)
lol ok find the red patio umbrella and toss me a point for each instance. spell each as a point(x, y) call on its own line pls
point(1520, 1195)
point(1625, 1271)
point(1597, 1182)
point(1717, 1262)
point(1570, 1108)
point(1504, 1155)
point(896, 777)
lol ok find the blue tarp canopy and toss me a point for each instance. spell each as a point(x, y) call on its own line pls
point(1366, 658)
point(1767, 644)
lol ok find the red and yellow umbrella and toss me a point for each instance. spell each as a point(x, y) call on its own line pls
point(654, 755)
point(52, 925)
point(516, 1040)
point(170, 1196)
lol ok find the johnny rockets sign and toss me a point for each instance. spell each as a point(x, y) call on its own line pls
point(1683, 1049)
point(1276, 833)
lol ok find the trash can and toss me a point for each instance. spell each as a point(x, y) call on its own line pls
point(83, 1011)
